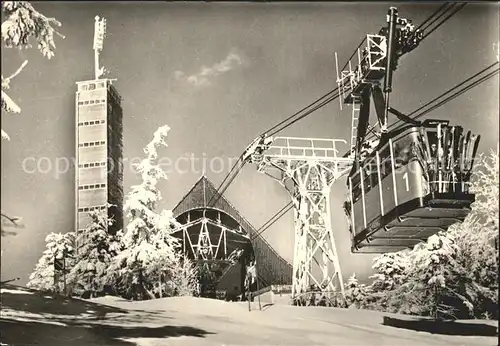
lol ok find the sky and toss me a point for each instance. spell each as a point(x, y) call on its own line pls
point(219, 74)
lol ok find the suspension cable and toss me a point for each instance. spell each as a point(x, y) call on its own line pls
point(221, 189)
point(453, 12)
point(328, 96)
point(414, 114)
point(322, 104)
point(300, 111)
point(457, 94)
point(442, 7)
point(353, 54)
point(453, 88)
point(273, 220)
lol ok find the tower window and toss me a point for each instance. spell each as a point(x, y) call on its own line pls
point(92, 144)
point(91, 123)
point(92, 164)
point(91, 186)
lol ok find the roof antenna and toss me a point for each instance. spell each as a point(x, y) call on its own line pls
point(99, 34)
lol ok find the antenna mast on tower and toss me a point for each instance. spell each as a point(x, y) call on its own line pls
point(99, 34)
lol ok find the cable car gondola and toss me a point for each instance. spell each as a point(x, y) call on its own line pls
point(414, 184)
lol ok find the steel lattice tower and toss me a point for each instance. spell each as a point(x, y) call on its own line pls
point(307, 168)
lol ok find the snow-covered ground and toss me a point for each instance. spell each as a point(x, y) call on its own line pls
point(33, 318)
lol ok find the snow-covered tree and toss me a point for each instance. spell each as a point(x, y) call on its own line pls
point(356, 294)
point(21, 23)
point(59, 247)
point(476, 265)
point(433, 264)
point(147, 240)
point(485, 184)
point(390, 272)
point(390, 269)
point(98, 248)
point(182, 279)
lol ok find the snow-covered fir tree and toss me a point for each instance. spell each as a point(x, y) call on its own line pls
point(94, 255)
point(430, 270)
point(149, 247)
point(486, 184)
point(389, 270)
point(476, 265)
point(181, 279)
point(58, 247)
point(356, 294)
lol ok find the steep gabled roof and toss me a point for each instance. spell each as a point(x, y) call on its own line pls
point(204, 193)
point(201, 194)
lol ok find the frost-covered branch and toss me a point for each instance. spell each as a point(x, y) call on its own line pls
point(9, 221)
point(22, 22)
point(6, 81)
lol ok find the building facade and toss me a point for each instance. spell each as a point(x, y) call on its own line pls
point(99, 146)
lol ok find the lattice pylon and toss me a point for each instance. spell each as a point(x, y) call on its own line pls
point(314, 238)
point(312, 164)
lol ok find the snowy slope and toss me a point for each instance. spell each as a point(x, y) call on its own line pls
point(29, 317)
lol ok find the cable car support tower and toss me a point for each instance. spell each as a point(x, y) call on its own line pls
point(307, 168)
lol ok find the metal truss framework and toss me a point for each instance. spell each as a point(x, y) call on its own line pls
point(307, 168)
point(216, 234)
point(368, 70)
point(203, 248)
point(377, 57)
point(198, 243)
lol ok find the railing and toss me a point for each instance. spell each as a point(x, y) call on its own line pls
point(296, 147)
point(368, 59)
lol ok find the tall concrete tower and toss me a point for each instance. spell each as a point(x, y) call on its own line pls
point(99, 144)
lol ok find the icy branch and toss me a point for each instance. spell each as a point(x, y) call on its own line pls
point(8, 79)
